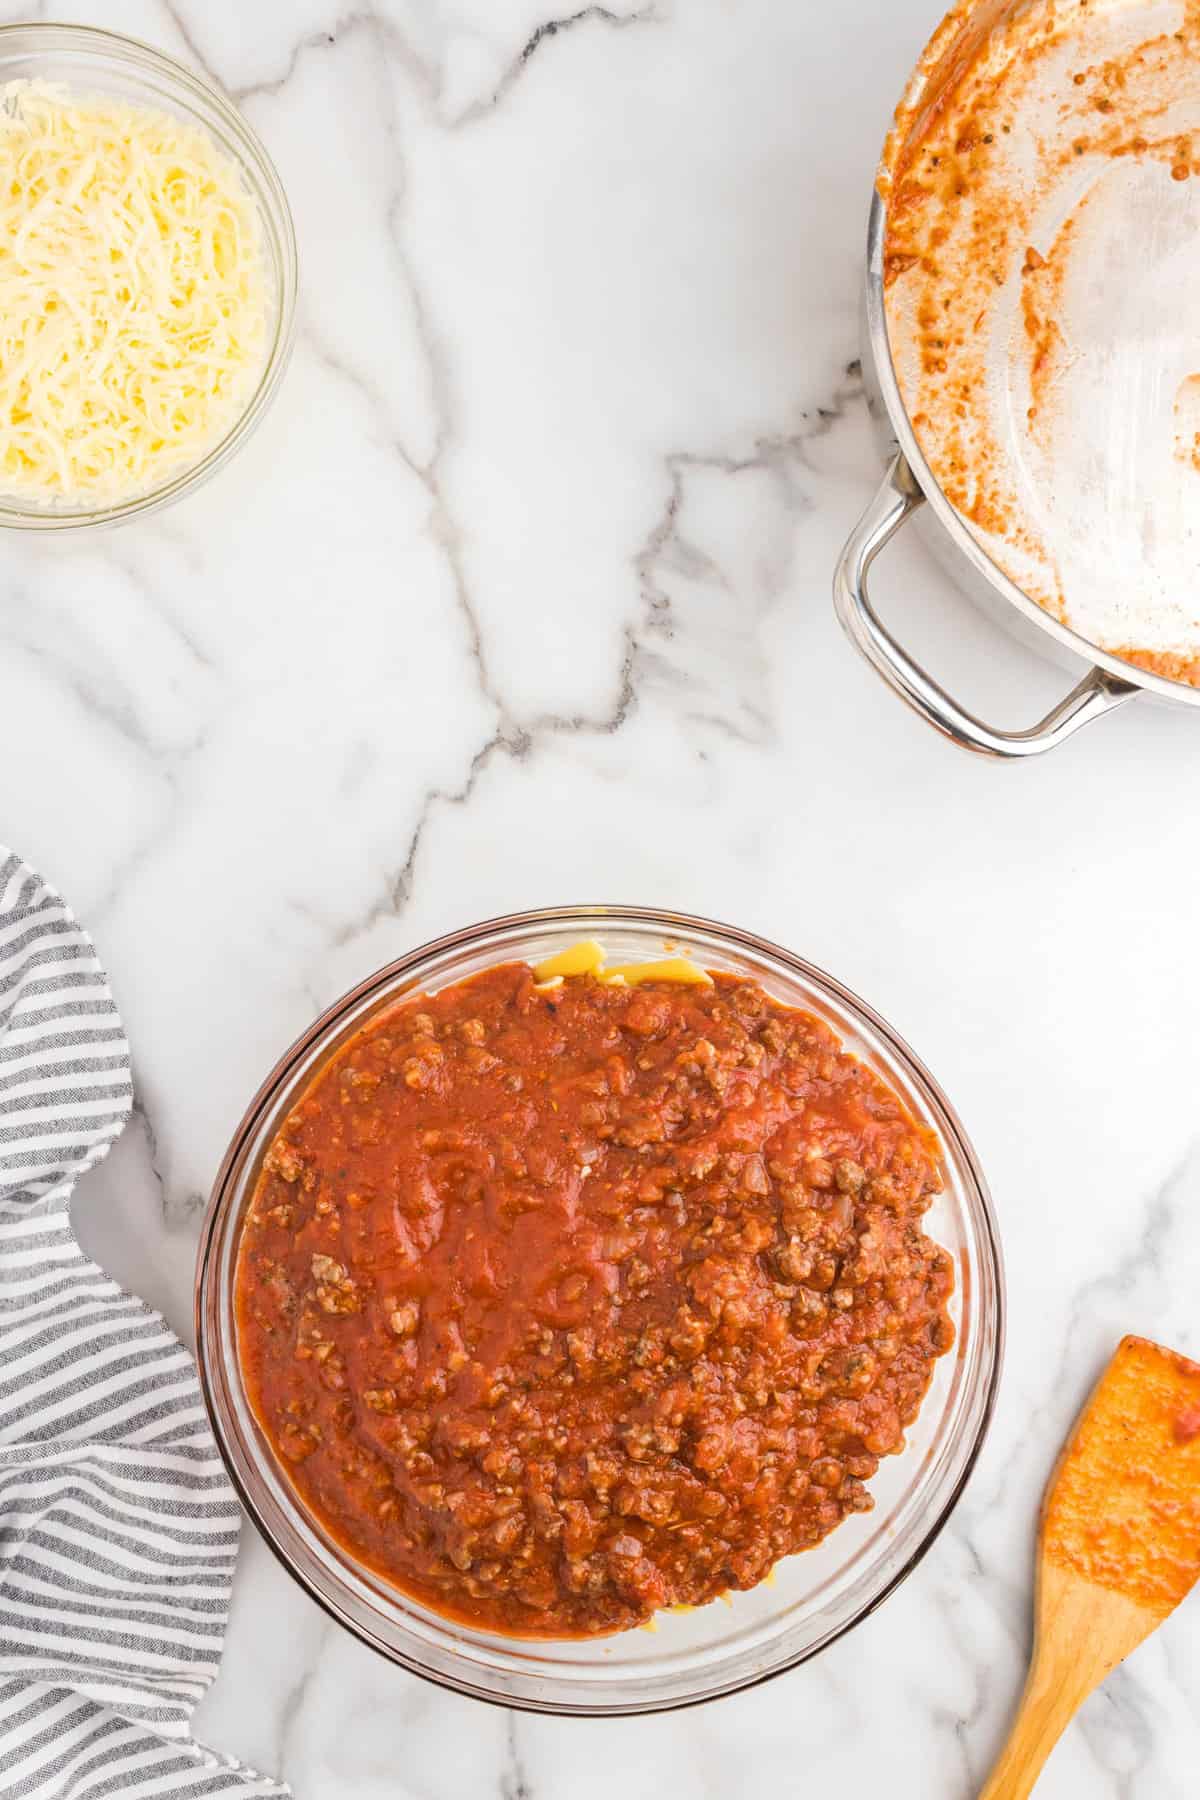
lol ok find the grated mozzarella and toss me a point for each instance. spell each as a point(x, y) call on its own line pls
point(133, 298)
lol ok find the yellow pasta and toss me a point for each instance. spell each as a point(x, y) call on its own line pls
point(588, 958)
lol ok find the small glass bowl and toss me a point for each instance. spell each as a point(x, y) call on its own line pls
point(89, 61)
point(690, 1656)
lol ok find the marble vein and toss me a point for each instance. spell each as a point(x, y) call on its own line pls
point(389, 35)
point(542, 34)
point(514, 1782)
point(520, 738)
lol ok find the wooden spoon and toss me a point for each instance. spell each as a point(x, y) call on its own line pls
point(1119, 1548)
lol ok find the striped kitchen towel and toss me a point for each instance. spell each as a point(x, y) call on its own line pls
point(118, 1527)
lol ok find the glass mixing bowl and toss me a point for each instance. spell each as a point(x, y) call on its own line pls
point(691, 1656)
point(88, 61)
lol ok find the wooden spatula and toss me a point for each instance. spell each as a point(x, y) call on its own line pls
point(1119, 1547)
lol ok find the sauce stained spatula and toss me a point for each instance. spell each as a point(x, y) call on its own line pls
point(1119, 1545)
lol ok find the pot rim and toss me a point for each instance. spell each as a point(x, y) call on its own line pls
point(1133, 674)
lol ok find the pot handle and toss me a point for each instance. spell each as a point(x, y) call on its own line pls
point(898, 498)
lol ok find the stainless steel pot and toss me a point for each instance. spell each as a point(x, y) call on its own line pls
point(910, 488)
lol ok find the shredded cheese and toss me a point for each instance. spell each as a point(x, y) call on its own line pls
point(133, 298)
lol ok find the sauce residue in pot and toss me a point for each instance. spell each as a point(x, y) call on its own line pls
point(567, 1294)
point(1041, 263)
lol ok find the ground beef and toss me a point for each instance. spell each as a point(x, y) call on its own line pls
point(564, 1304)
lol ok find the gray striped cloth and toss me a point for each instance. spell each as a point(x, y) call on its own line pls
point(118, 1527)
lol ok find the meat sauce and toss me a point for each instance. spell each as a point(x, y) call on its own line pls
point(564, 1304)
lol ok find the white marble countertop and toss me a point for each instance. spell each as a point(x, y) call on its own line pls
point(535, 547)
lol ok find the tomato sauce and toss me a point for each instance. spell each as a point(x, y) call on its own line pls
point(564, 1304)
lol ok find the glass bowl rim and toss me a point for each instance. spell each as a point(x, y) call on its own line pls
point(588, 917)
point(243, 144)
